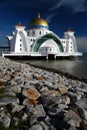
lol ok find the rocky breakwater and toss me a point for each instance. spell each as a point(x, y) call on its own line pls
point(35, 99)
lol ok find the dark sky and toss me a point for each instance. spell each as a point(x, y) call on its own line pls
point(60, 14)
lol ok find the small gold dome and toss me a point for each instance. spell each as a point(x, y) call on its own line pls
point(38, 22)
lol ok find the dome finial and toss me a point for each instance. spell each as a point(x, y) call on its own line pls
point(38, 15)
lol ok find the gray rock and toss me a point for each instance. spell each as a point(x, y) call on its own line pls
point(36, 127)
point(10, 93)
point(72, 128)
point(44, 125)
point(29, 109)
point(62, 106)
point(33, 120)
point(53, 111)
point(5, 119)
point(7, 100)
point(38, 111)
point(14, 107)
point(74, 96)
point(33, 81)
point(50, 101)
point(82, 107)
point(72, 118)
point(11, 83)
point(15, 121)
point(15, 89)
point(19, 81)
point(22, 115)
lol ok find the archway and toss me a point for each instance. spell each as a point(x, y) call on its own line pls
point(36, 45)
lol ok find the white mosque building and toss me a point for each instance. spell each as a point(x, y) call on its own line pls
point(39, 41)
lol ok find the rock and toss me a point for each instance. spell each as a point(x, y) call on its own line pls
point(50, 101)
point(11, 83)
point(83, 124)
point(5, 119)
point(44, 125)
point(33, 82)
point(72, 128)
point(14, 75)
point(38, 111)
point(10, 93)
point(74, 96)
point(29, 109)
point(49, 92)
point(15, 121)
point(19, 81)
point(42, 90)
point(33, 120)
point(22, 115)
point(13, 107)
point(53, 111)
point(28, 101)
point(82, 108)
point(6, 100)
point(65, 100)
point(12, 86)
point(38, 77)
point(72, 118)
point(62, 106)
point(37, 115)
point(36, 127)
point(15, 89)
point(31, 93)
point(62, 89)
point(2, 83)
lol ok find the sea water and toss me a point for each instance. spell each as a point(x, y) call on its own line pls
point(74, 66)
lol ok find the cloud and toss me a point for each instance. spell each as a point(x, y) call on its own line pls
point(74, 6)
point(66, 6)
point(50, 17)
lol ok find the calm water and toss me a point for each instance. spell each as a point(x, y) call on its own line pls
point(75, 66)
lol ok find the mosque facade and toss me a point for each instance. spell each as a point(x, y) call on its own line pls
point(39, 41)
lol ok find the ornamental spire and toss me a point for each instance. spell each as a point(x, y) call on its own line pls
point(38, 15)
point(19, 24)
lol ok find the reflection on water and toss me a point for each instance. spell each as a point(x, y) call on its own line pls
point(75, 66)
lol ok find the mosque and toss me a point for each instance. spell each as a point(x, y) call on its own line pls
point(39, 41)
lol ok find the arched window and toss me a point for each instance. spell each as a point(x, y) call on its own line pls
point(33, 32)
point(40, 32)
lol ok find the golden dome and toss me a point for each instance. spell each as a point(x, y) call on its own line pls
point(38, 23)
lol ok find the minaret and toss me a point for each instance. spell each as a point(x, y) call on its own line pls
point(68, 33)
point(72, 46)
